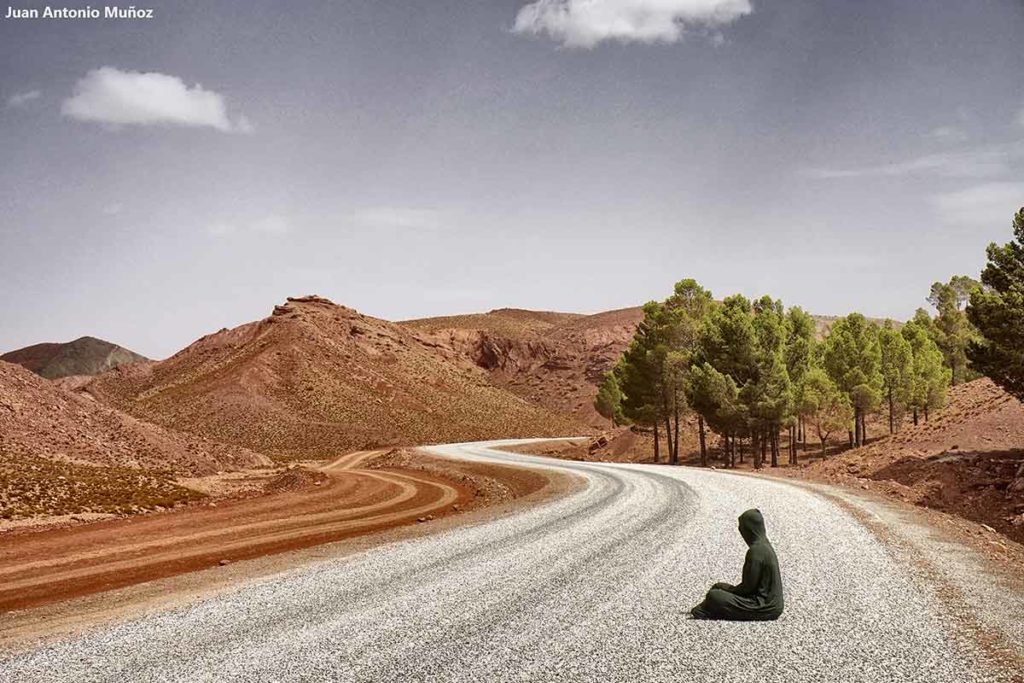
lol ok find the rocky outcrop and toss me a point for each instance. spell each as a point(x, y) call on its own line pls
point(314, 379)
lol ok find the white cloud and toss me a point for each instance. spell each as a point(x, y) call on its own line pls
point(109, 95)
point(1020, 118)
point(585, 23)
point(22, 98)
point(112, 209)
point(398, 217)
point(985, 204)
point(981, 162)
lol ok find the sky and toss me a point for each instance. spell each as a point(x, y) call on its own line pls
point(163, 178)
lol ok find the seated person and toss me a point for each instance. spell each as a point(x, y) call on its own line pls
point(759, 595)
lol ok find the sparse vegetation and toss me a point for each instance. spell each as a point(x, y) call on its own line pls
point(31, 486)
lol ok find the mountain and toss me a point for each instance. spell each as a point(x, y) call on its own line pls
point(314, 379)
point(555, 360)
point(83, 356)
point(62, 452)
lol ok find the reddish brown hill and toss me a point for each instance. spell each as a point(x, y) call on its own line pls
point(315, 379)
point(62, 452)
point(553, 359)
point(964, 460)
point(83, 356)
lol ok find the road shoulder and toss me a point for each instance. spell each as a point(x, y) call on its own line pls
point(972, 571)
point(500, 491)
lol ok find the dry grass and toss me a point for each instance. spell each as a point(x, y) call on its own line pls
point(33, 486)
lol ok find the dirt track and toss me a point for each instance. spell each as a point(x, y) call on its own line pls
point(55, 565)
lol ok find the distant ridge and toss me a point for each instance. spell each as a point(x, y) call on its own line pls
point(83, 356)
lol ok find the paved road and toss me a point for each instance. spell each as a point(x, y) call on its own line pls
point(593, 586)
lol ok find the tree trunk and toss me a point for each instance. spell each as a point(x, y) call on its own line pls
point(850, 433)
point(703, 444)
point(856, 428)
point(675, 440)
point(773, 432)
point(925, 412)
point(668, 436)
point(892, 429)
point(823, 451)
point(792, 444)
point(657, 453)
point(741, 451)
point(915, 416)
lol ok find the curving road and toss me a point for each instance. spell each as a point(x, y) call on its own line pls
point(592, 586)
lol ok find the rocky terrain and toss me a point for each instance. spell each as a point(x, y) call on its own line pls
point(83, 356)
point(964, 460)
point(62, 452)
point(315, 379)
point(555, 360)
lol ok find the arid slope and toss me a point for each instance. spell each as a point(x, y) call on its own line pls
point(553, 359)
point(963, 460)
point(62, 452)
point(315, 379)
point(83, 356)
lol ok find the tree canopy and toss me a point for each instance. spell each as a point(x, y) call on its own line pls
point(997, 310)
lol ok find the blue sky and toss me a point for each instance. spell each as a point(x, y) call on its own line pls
point(164, 178)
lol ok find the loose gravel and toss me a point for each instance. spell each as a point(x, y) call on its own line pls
point(595, 586)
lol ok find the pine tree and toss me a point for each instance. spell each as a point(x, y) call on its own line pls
point(609, 400)
point(930, 378)
point(897, 367)
point(826, 407)
point(715, 398)
point(997, 310)
point(952, 330)
point(685, 314)
point(639, 372)
point(769, 394)
point(725, 361)
point(800, 357)
point(852, 359)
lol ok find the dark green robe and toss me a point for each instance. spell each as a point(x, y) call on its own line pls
point(758, 597)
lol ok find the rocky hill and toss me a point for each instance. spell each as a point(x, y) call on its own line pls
point(62, 452)
point(83, 356)
point(964, 460)
point(315, 379)
point(555, 360)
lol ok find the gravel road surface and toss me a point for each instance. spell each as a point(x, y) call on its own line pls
point(594, 586)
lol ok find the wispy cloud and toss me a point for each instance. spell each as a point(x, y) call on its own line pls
point(948, 134)
point(984, 204)
point(399, 217)
point(980, 162)
point(111, 96)
point(585, 23)
point(267, 225)
point(22, 98)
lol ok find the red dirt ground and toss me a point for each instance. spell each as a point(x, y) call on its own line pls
point(355, 496)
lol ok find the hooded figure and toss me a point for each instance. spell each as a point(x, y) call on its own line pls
point(759, 595)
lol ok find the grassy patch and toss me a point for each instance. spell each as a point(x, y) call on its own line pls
point(31, 486)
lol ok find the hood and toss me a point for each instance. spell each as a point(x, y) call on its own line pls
point(752, 526)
